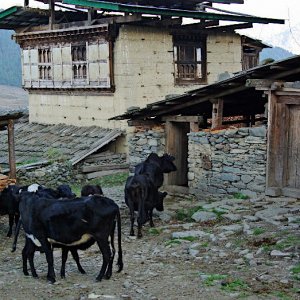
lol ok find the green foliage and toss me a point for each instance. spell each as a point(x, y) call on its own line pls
point(173, 242)
point(27, 162)
point(189, 238)
point(258, 231)
point(186, 214)
point(111, 180)
point(234, 286)
point(296, 272)
point(240, 196)
point(210, 279)
point(289, 241)
point(155, 231)
point(54, 154)
point(282, 295)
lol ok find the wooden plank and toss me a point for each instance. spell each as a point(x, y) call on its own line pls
point(102, 142)
point(217, 114)
point(104, 173)
point(181, 118)
point(89, 169)
point(96, 157)
point(11, 150)
point(291, 100)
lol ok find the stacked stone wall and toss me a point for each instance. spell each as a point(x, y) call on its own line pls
point(228, 162)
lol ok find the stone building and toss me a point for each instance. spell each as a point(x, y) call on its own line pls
point(84, 62)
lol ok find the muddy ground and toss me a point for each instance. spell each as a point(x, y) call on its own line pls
point(220, 264)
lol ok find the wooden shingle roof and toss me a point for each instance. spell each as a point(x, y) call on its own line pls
point(39, 142)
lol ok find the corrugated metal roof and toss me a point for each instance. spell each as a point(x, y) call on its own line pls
point(183, 11)
point(18, 16)
point(234, 89)
point(36, 142)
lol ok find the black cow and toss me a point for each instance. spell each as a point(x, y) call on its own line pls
point(72, 223)
point(141, 190)
point(155, 166)
point(9, 205)
point(142, 196)
point(89, 189)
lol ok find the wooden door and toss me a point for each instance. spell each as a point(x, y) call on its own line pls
point(293, 151)
point(177, 145)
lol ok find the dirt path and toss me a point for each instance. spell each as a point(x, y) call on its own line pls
point(220, 264)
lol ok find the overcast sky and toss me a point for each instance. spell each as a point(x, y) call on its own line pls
point(281, 9)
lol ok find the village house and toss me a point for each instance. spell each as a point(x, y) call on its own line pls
point(99, 63)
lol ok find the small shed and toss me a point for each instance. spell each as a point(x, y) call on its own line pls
point(7, 120)
point(268, 94)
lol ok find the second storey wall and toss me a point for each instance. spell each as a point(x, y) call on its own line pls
point(143, 73)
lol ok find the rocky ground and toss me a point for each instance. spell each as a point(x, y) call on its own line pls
point(224, 248)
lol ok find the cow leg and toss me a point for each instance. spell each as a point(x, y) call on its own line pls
point(17, 217)
point(11, 223)
point(49, 257)
point(131, 209)
point(28, 253)
point(150, 217)
point(64, 257)
point(106, 254)
point(112, 252)
point(76, 258)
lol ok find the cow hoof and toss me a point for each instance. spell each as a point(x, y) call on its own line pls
point(51, 279)
point(98, 278)
point(35, 276)
point(82, 271)
point(25, 273)
point(140, 236)
point(131, 233)
point(62, 276)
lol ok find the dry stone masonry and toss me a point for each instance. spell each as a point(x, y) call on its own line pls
point(228, 161)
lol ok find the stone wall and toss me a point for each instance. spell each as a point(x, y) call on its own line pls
point(228, 161)
point(142, 142)
point(50, 175)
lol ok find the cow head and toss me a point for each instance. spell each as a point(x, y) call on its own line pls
point(65, 191)
point(166, 163)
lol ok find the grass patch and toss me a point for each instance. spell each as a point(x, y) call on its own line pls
point(289, 241)
point(27, 162)
point(173, 242)
point(258, 231)
point(218, 212)
point(235, 285)
point(296, 272)
point(210, 279)
point(104, 181)
point(240, 196)
point(205, 244)
point(186, 214)
point(111, 180)
point(189, 238)
point(155, 231)
point(282, 296)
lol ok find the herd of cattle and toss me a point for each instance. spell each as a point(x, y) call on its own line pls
point(56, 218)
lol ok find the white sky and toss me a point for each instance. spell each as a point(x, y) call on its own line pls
point(281, 9)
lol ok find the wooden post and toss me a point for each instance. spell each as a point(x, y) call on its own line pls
point(52, 14)
point(11, 150)
point(217, 113)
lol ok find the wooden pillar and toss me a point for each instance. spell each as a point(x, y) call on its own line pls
point(11, 150)
point(217, 113)
point(91, 13)
point(52, 14)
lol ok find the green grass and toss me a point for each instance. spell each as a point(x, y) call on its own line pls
point(104, 181)
point(289, 241)
point(258, 231)
point(240, 196)
point(27, 162)
point(186, 214)
point(235, 285)
point(282, 296)
point(296, 272)
point(173, 242)
point(155, 231)
point(210, 280)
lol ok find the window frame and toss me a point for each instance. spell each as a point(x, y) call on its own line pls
point(196, 43)
point(45, 63)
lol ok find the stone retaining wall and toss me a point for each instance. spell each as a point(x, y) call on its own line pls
point(228, 162)
point(145, 141)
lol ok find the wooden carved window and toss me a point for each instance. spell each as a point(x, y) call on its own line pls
point(79, 62)
point(190, 61)
point(45, 62)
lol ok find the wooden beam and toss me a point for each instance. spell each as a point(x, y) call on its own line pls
point(217, 113)
point(11, 150)
point(52, 14)
point(181, 118)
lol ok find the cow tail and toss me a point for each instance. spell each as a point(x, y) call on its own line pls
point(14, 246)
point(120, 254)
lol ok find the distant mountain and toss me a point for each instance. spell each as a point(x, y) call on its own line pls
point(276, 53)
point(10, 60)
